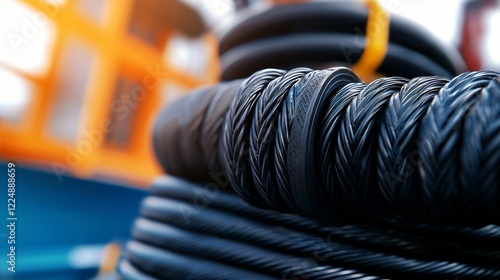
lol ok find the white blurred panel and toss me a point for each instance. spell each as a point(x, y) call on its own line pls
point(491, 44)
point(27, 36)
point(15, 96)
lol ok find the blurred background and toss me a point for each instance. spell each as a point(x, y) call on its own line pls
point(81, 82)
point(82, 79)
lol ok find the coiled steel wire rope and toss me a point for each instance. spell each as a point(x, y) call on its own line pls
point(399, 178)
point(326, 33)
point(324, 144)
point(177, 237)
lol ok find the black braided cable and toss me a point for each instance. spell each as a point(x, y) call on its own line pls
point(129, 272)
point(285, 120)
point(262, 135)
point(440, 146)
point(165, 141)
point(190, 127)
point(323, 144)
point(302, 167)
point(217, 248)
point(329, 128)
point(299, 111)
point(212, 124)
point(177, 238)
point(207, 196)
point(235, 133)
point(259, 160)
point(397, 144)
point(481, 245)
point(164, 264)
point(198, 132)
point(354, 154)
point(210, 247)
point(224, 225)
point(227, 226)
point(480, 157)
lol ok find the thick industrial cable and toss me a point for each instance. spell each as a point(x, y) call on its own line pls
point(199, 128)
point(235, 253)
point(356, 143)
point(212, 124)
point(210, 196)
point(234, 142)
point(178, 237)
point(301, 147)
point(397, 152)
point(128, 271)
point(332, 18)
point(319, 34)
point(282, 138)
point(323, 144)
point(478, 158)
point(163, 264)
point(263, 131)
point(442, 129)
point(320, 49)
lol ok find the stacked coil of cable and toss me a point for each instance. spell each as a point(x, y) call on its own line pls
point(325, 34)
point(323, 144)
point(194, 231)
point(395, 179)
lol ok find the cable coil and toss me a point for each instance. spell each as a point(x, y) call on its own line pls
point(327, 33)
point(324, 144)
point(190, 231)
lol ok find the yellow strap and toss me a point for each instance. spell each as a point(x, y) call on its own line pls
point(110, 259)
point(377, 40)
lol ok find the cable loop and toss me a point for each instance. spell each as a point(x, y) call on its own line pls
point(323, 144)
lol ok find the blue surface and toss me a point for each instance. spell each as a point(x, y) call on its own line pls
point(60, 219)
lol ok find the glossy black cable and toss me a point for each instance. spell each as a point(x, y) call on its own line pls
point(323, 144)
point(354, 158)
point(234, 143)
point(212, 125)
point(395, 236)
point(332, 17)
point(238, 230)
point(285, 120)
point(480, 157)
point(185, 139)
point(190, 128)
point(441, 142)
point(301, 164)
point(179, 238)
point(229, 252)
point(128, 272)
point(317, 50)
point(330, 123)
point(164, 264)
point(415, 236)
point(397, 153)
point(262, 135)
